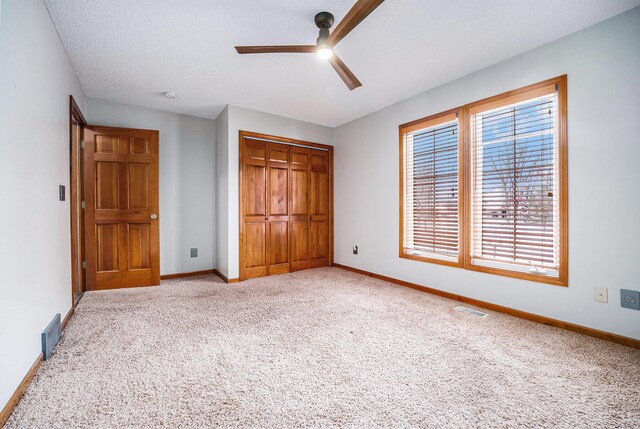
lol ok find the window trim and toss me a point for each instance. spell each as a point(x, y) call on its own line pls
point(464, 179)
point(427, 122)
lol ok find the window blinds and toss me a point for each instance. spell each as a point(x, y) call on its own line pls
point(430, 200)
point(515, 216)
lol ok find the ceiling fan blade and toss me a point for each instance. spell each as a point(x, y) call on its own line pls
point(282, 49)
point(355, 16)
point(345, 74)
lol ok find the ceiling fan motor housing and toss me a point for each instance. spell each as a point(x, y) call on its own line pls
point(324, 21)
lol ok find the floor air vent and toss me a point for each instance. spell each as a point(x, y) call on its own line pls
point(51, 336)
point(471, 311)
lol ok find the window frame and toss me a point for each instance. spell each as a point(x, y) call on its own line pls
point(464, 179)
point(428, 122)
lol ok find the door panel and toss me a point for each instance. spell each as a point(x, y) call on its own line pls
point(121, 207)
point(138, 146)
point(278, 191)
point(278, 194)
point(107, 245)
point(278, 155)
point(299, 232)
point(255, 184)
point(107, 144)
point(138, 186)
point(319, 184)
point(255, 257)
point(299, 223)
point(255, 152)
point(256, 236)
point(319, 210)
point(299, 192)
point(107, 185)
point(278, 248)
point(139, 246)
point(253, 240)
point(319, 240)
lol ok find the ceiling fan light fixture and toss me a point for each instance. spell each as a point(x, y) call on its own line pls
point(326, 40)
point(325, 52)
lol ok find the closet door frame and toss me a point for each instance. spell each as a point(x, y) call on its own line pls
point(287, 141)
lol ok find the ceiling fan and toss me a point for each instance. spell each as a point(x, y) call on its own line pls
point(326, 40)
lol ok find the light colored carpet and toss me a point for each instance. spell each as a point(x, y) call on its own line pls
point(320, 348)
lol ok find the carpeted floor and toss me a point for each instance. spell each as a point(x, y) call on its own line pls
point(320, 348)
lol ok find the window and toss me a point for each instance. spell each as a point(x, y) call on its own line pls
point(431, 189)
point(509, 214)
point(515, 183)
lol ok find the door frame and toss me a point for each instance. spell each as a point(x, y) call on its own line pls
point(290, 142)
point(76, 193)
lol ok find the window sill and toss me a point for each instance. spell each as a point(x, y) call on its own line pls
point(539, 278)
point(521, 275)
point(448, 263)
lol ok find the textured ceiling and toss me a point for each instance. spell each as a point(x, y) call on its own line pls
point(132, 51)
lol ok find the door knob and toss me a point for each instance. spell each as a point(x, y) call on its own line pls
point(153, 216)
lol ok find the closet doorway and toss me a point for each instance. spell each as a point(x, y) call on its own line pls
point(286, 205)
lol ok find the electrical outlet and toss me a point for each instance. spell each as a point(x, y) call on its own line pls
point(601, 294)
point(194, 252)
point(630, 299)
point(355, 249)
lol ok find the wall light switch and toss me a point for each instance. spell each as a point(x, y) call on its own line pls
point(601, 294)
point(61, 192)
point(355, 249)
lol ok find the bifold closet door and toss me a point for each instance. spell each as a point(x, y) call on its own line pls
point(299, 218)
point(278, 208)
point(253, 240)
point(285, 208)
point(319, 218)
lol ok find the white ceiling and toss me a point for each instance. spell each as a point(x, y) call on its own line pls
point(132, 51)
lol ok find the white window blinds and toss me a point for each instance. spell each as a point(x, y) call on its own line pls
point(515, 214)
point(430, 199)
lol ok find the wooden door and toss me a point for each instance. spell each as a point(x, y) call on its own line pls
point(253, 236)
point(121, 207)
point(299, 208)
point(319, 219)
point(278, 209)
